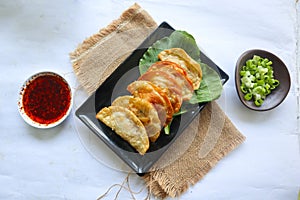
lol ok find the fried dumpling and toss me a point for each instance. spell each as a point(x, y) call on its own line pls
point(122, 101)
point(179, 56)
point(145, 111)
point(178, 74)
point(127, 125)
point(168, 84)
point(155, 95)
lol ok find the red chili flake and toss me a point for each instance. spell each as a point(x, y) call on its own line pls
point(46, 99)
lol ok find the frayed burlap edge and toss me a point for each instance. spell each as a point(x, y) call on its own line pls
point(134, 17)
point(162, 187)
point(115, 25)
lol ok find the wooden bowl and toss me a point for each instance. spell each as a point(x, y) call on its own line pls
point(281, 73)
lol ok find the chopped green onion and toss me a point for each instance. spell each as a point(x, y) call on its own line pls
point(244, 89)
point(167, 130)
point(276, 83)
point(269, 63)
point(248, 96)
point(242, 73)
point(258, 102)
point(257, 79)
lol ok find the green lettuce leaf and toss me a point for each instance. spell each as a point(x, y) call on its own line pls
point(211, 86)
point(180, 39)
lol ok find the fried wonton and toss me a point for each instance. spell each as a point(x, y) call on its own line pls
point(127, 125)
point(168, 84)
point(155, 95)
point(178, 74)
point(179, 56)
point(145, 111)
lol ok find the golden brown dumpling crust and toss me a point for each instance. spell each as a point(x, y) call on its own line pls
point(179, 56)
point(178, 74)
point(124, 123)
point(145, 111)
point(150, 92)
point(167, 84)
point(122, 101)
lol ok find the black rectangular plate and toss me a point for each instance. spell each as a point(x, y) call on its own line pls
point(115, 85)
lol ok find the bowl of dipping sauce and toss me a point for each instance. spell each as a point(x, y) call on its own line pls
point(262, 80)
point(45, 100)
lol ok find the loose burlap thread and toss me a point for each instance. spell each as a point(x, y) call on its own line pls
point(210, 136)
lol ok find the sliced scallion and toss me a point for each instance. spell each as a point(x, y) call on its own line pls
point(257, 79)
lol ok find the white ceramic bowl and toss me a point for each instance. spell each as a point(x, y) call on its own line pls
point(21, 103)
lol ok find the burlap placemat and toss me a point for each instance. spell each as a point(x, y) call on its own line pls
point(99, 55)
point(209, 138)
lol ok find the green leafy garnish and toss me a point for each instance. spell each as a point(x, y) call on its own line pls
point(179, 39)
point(211, 86)
point(167, 129)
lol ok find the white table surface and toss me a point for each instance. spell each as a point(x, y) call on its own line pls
point(55, 164)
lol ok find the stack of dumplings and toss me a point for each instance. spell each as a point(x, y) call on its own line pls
point(156, 95)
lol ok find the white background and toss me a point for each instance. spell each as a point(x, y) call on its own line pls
point(54, 164)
